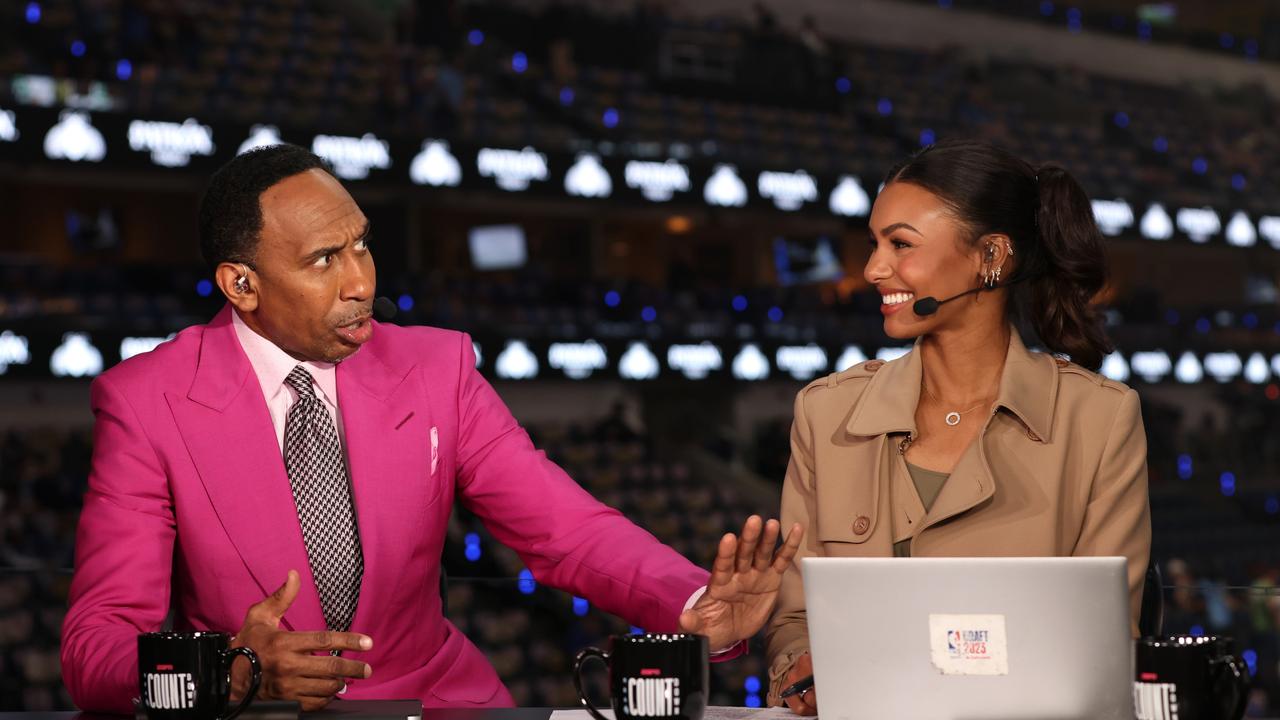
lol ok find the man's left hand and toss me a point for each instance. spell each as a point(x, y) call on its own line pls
point(744, 583)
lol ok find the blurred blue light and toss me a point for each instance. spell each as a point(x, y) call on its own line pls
point(753, 701)
point(1172, 317)
point(739, 302)
point(843, 85)
point(775, 314)
point(1200, 166)
point(1046, 7)
point(648, 314)
point(581, 607)
point(1251, 48)
point(927, 137)
point(77, 48)
point(519, 62)
point(124, 69)
point(204, 288)
point(1276, 327)
point(752, 684)
point(1075, 21)
point(1238, 181)
point(405, 303)
point(566, 96)
point(1196, 631)
point(1226, 40)
point(1250, 658)
point(1272, 505)
point(1250, 320)
point(1074, 26)
point(472, 553)
point(526, 583)
point(1122, 119)
point(1203, 325)
point(885, 106)
point(1144, 30)
point(945, 5)
point(637, 630)
point(1184, 467)
point(1227, 484)
point(1074, 14)
point(1160, 144)
point(612, 298)
point(33, 12)
point(476, 38)
point(610, 118)
point(471, 539)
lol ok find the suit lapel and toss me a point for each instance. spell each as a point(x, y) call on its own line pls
point(387, 431)
point(227, 430)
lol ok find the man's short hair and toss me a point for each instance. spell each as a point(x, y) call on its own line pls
point(230, 211)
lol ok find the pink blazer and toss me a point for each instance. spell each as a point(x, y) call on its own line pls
point(189, 505)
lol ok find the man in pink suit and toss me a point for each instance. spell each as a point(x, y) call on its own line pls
point(287, 471)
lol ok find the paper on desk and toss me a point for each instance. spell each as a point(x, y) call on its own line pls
point(715, 712)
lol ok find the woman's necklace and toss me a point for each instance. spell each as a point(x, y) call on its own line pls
point(953, 417)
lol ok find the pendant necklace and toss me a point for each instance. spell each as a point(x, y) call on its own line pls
point(953, 417)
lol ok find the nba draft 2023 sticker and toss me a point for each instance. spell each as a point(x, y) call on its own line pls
point(969, 644)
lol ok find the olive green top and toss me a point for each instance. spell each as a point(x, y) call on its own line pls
point(928, 484)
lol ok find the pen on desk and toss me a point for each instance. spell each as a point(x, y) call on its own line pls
point(798, 688)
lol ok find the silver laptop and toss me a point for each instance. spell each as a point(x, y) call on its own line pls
point(970, 638)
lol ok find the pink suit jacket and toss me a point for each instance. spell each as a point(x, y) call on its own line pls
point(189, 505)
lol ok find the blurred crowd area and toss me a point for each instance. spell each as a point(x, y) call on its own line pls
point(657, 79)
point(1220, 554)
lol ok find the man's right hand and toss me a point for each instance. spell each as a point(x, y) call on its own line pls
point(290, 670)
point(805, 703)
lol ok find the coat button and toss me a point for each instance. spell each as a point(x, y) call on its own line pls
point(873, 365)
point(861, 525)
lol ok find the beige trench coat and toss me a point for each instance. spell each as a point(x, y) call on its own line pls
point(1059, 469)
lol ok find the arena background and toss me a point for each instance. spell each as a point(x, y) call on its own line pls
point(651, 216)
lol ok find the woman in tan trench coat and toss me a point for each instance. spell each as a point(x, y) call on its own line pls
point(969, 445)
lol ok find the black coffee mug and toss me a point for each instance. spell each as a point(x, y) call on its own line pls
point(1189, 678)
point(652, 676)
point(187, 675)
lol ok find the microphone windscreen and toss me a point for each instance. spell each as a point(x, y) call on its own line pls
point(925, 306)
point(384, 309)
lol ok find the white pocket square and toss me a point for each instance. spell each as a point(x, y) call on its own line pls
point(435, 448)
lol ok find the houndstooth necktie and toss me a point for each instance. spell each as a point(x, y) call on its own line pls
point(318, 476)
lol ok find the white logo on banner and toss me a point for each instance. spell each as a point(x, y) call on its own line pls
point(74, 138)
point(1112, 216)
point(516, 362)
point(14, 350)
point(1240, 232)
point(512, 170)
point(1114, 367)
point(750, 364)
point(725, 188)
point(435, 165)
point(353, 157)
point(1151, 366)
point(588, 178)
point(171, 144)
point(1269, 228)
point(788, 190)
point(849, 199)
point(694, 361)
point(8, 126)
point(132, 346)
point(657, 181)
point(851, 356)
point(1256, 370)
point(1223, 366)
point(1199, 224)
point(577, 360)
point(76, 357)
point(1188, 369)
point(638, 363)
point(1156, 223)
point(802, 362)
point(260, 136)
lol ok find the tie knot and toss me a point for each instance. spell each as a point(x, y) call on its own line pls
point(300, 380)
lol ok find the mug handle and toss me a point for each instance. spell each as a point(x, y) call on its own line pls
point(254, 680)
point(578, 662)
point(1239, 680)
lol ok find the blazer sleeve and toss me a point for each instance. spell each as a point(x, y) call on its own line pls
point(565, 537)
point(124, 559)
point(1117, 520)
point(787, 636)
